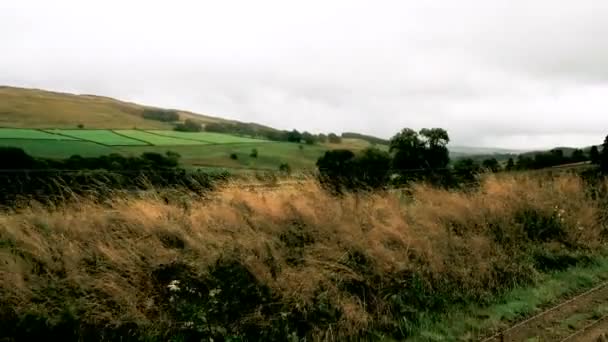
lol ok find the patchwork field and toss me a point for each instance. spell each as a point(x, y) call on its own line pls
point(100, 136)
point(197, 150)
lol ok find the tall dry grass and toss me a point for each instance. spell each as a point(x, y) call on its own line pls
point(291, 262)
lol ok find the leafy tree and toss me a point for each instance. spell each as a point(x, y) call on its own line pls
point(189, 125)
point(594, 155)
point(436, 154)
point(336, 169)
point(491, 164)
point(372, 168)
point(578, 155)
point(466, 169)
point(604, 156)
point(406, 147)
point(334, 138)
point(254, 153)
point(233, 156)
point(161, 115)
point(16, 158)
point(322, 138)
point(294, 136)
point(510, 165)
point(308, 138)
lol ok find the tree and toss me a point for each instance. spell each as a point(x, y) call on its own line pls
point(604, 156)
point(406, 147)
point(294, 136)
point(491, 164)
point(436, 153)
point(322, 138)
point(254, 153)
point(161, 115)
point(189, 125)
point(578, 155)
point(510, 165)
point(594, 155)
point(233, 156)
point(466, 169)
point(371, 168)
point(336, 169)
point(334, 138)
point(308, 138)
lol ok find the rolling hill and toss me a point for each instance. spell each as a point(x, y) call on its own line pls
point(34, 108)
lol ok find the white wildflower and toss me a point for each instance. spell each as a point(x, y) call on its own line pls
point(173, 286)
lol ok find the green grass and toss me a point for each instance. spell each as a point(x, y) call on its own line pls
point(210, 137)
point(270, 154)
point(157, 140)
point(104, 137)
point(58, 148)
point(17, 133)
point(474, 321)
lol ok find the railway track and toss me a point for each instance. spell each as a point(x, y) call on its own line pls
point(581, 318)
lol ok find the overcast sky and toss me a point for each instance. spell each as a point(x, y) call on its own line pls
point(510, 73)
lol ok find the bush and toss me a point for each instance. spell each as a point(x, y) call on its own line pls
point(285, 168)
point(234, 156)
point(189, 126)
point(161, 115)
point(254, 153)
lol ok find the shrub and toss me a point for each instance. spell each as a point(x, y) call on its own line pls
point(254, 153)
point(234, 156)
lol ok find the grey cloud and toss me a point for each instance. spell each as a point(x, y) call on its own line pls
point(509, 73)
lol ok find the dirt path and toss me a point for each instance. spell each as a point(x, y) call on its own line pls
point(560, 323)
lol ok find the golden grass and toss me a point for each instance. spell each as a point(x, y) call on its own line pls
point(33, 108)
point(297, 241)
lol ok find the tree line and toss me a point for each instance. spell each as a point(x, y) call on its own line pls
point(50, 180)
point(423, 155)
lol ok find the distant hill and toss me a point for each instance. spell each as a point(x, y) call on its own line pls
point(34, 108)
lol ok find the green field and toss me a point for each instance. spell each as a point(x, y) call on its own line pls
point(197, 149)
point(100, 136)
point(156, 139)
point(208, 137)
point(16, 133)
point(57, 148)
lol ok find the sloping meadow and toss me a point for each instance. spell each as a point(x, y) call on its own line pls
point(288, 263)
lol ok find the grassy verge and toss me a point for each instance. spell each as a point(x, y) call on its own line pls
point(472, 322)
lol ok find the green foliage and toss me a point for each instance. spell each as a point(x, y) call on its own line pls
point(491, 165)
point(334, 138)
point(510, 165)
point(343, 170)
point(594, 155)
point(160, 115)
point(254, 153)
point(189, 125)
point(234, 156)
point(424, 151)
point(604, 156)
point(285, 168)
point(308, 138)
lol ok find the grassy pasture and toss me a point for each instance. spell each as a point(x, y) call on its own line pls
point(270, 154)
point(156, 139)
point(57, 148)
point(208, 137)
point(100, 136)
point(35, 108)
point(17, 133)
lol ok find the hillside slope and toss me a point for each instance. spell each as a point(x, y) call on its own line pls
point(34, 108)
